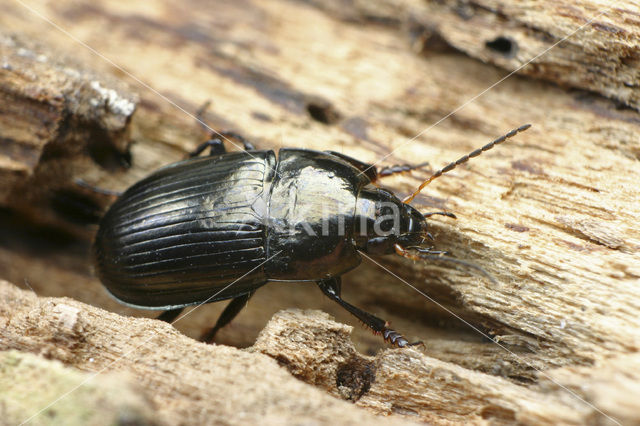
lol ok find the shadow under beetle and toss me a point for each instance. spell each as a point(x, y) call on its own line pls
point(218, 227)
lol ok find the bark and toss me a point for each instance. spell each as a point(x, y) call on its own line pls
point(551, 214)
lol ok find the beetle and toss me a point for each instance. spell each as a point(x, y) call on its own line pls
point(217, 227)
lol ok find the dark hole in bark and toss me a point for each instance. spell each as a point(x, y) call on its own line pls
point(503, 45)
point(104, 153)
point(75, 207)
point(354, 378)
point(322, 111)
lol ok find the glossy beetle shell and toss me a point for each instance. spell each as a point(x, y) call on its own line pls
point(188, 230)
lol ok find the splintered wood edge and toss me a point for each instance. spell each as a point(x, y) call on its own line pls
point(172, 370)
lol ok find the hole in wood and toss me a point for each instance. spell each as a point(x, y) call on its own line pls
point(323, 111)
point(503, 45)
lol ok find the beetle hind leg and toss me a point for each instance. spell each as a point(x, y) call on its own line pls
point(331, 287)
point(230, 312)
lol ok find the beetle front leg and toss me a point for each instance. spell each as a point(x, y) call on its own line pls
point(331, 287)
point(372, 172)
point(230, 312)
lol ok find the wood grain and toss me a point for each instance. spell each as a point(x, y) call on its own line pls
point(56, 117)
point(170, 378)
point(551, 214)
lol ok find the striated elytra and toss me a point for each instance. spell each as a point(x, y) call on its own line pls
point(218, 227)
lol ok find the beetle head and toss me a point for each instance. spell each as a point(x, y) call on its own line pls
point(382, 221)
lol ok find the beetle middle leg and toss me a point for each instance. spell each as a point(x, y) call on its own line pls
point(331, 287)
point(233, 308)
point(248, 146)
point(216, 145)
point(217, 136)
point(170, 315)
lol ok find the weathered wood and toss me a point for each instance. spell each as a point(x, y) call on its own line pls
point(55, 117)
point(551, 215)
point(184, 381)
point(602, 57)
point(29, 382)
point(317, 350)
point(585, 44)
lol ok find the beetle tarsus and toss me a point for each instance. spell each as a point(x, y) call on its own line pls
point(394, 338)
point(230, 312)
point(200, 112)
point(248, 146)
point(331, 287)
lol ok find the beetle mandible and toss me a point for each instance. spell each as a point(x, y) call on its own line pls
point(218, 227)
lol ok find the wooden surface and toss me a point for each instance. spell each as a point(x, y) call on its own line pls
point(551, 215)
point(583, 44)
point(57, 117)
point(173, 379)
point(179, 380)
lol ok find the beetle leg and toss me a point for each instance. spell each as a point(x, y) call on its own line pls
point(331, 287)
point(368, 169)
point(400, 168)
point(170, 315)
point(233, 308)
point(451, 215)
point(248, 146)
point(215, 145)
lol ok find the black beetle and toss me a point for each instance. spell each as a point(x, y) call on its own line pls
point(218, 227)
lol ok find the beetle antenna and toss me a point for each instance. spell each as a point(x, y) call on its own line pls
point(464, 159)
point(425, 256)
